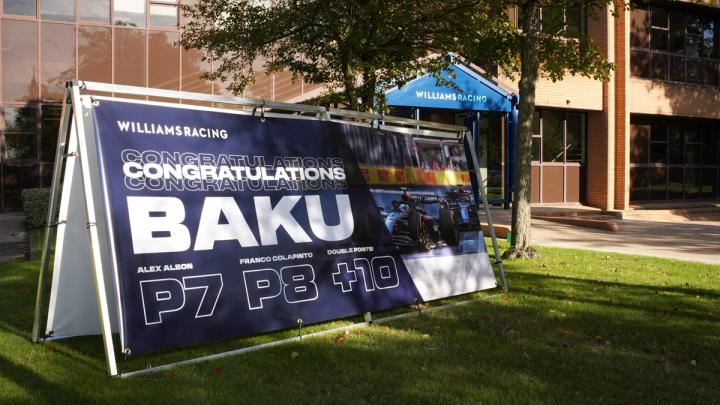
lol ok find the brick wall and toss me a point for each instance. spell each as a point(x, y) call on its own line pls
point(600, 143)
point(622, 117)
point(573, 92)
point(665, 98)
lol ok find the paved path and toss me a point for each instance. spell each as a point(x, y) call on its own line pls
point(13, 244)
point(688, 240)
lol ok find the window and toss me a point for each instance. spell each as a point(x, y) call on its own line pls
point(50, 118)
point(574, 130)
point(552, 137)
point(537, 137)
point(57, 10)
point(130, 13)
point(558, 136)
point(20, 133)
point(20, 60)
point(95, 53)
point(193, 66)
point(555, 20)
point(130, 57)
point(58, 59)
point(558, 21)
point(164, 13)
point(164, 66)
point(673, 158)
point(95, 10)
point(674, 45)
point(19, 7)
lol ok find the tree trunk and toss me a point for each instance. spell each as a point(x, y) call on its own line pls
point(521, 248)
point(349, 82)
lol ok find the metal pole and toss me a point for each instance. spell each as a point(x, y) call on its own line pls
point(483, 196)
point(51, 220)
point(94, 238)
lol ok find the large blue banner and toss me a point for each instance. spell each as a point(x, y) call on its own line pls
point(227, 225)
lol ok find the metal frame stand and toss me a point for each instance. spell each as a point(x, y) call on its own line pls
point(72, 135)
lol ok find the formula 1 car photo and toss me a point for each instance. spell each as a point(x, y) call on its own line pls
point(411, 226)
point(460, 201)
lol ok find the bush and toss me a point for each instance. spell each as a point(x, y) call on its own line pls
point(35, 204)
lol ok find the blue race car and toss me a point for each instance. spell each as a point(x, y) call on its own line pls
point(411, 226)
point(464, 209)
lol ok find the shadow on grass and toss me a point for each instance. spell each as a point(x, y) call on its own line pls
point(664, 301)
point(34, 384)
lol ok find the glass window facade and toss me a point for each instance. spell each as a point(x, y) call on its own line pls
point(673, 158)
point(674, 45)
point(46, 42)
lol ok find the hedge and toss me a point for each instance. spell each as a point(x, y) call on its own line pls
point(35, 204)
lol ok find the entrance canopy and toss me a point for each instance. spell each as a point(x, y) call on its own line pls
point(473, 92)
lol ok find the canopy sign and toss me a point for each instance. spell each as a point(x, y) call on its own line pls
point(469, 92)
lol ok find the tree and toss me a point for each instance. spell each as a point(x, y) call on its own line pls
point(552, 48)
point(356, 48)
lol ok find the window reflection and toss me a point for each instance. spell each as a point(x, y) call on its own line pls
point(58, 58)
point(20, 133)
point(552, 136)
point(130, 57)
point(19, 7)
point(164, 68)
point(20, 60)
point(58, 10)
point(95, 10)
point(682, 159)
point(192, 67)
point(682, 46)
point(20, 146)
point(50, 125)
point(574, 130)
point(19, 119)
point(163, 15)
point(130, 13)
point(95, 54)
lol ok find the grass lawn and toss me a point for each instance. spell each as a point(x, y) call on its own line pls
point(576, 327)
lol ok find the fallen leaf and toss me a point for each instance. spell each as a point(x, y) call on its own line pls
point(340, 339)
point(294, 355)
point(567, 332)
point(693, 363)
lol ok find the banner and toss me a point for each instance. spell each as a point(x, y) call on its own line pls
point(227, 225)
